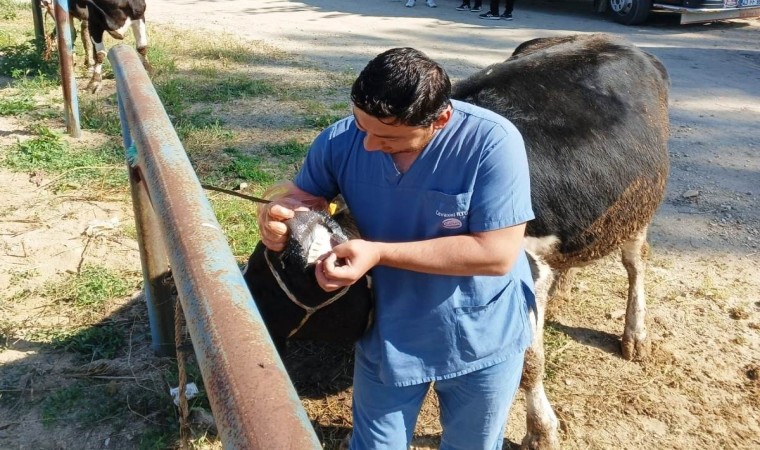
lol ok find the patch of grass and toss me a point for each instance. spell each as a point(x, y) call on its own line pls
point(97, 342)
point(13, 106)
point(199, 136)
point(321, 116)
point(59, 404)
point(96, 115)
point(216, 89)
point(9, 9)
point(162, 60)
point(554, 341)
point(247, 167)
point(101, 166)
point(18, 276)
point(708, 290)
point(92, 287)
point(24, 60)
point(159, 438)
point(44, 151)
point(238, 220)
point(82, 403)
point(290, 148)
point(7, 332)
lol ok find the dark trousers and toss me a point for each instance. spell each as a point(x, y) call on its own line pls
point(495, 7)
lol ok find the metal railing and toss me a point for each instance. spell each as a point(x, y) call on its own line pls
point(253, 400)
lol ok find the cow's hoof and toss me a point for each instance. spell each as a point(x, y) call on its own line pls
point(95, 83)
point(535, 441)
point(635, 349)
point(94, 87)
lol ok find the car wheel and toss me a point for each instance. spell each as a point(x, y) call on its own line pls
point(630, 12)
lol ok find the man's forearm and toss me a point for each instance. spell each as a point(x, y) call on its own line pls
point(489, 253)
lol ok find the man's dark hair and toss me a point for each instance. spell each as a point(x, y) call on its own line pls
point(402, 84)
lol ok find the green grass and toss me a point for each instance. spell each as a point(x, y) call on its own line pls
point(16, 105)
point(92, 287)
point(102, 166)
point(554, 341)
point(84, 403)
point(250, 168)
point(96, 342)
point(97, 115)
point(10, 10)
point(237, 217)
point(24, 60)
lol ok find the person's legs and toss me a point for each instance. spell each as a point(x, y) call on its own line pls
point(475, 407)
point(509, 7)
point(493, 14)
point(384, 416)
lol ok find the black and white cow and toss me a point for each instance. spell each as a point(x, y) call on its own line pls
point(283, 285)
point(114, 17)
point(593, 111)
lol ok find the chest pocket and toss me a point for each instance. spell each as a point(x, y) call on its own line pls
point(446, 214)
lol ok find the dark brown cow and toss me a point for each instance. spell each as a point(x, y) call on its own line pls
point(593, 111)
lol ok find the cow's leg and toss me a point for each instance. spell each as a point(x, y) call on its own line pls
point(97, 29)
point(563, 283)
point(141, 42)
point(84, 31)
point(635, 345)
point(542, 423)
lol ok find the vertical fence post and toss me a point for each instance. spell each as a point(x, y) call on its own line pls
point(68, 81)
point(39, 25)
point(253, 400)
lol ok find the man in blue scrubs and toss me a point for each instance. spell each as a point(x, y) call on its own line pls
point(440, 192)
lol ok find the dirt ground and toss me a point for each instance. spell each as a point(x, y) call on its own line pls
point(700, 388)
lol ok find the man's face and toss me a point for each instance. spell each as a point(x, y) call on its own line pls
point(395, 138)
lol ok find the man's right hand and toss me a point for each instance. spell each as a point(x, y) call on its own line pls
point(273, 231)
point(272, 216)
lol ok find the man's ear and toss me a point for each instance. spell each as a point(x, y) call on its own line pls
point(442, 119)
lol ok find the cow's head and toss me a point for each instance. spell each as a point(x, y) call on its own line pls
point(312, 235)
point(286, 290)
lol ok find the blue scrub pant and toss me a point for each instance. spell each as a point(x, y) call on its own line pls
point(474, 409)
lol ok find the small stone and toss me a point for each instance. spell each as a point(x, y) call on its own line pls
point(615, 315)
point(691, 193)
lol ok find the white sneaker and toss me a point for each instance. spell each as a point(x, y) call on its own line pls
point(410, 3)
point(431, 3)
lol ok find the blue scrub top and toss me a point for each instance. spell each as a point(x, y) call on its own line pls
point(472, 177)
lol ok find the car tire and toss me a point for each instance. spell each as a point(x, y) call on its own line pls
point(629, 12)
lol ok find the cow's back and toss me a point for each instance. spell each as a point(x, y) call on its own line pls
point(593, 113)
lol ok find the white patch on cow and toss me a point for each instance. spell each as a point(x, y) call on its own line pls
point(539, 247)
point(141, 35)
point(100, 47)
point(118, 32)
point(321, 243)
point(635, 317)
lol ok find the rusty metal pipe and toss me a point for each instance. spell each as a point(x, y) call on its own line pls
point(253, 400)
point(66, 60)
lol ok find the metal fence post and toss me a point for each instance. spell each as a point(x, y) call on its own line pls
point(254, 402)
point(68, 81)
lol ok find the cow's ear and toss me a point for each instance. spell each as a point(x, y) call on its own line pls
point(442, 119)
